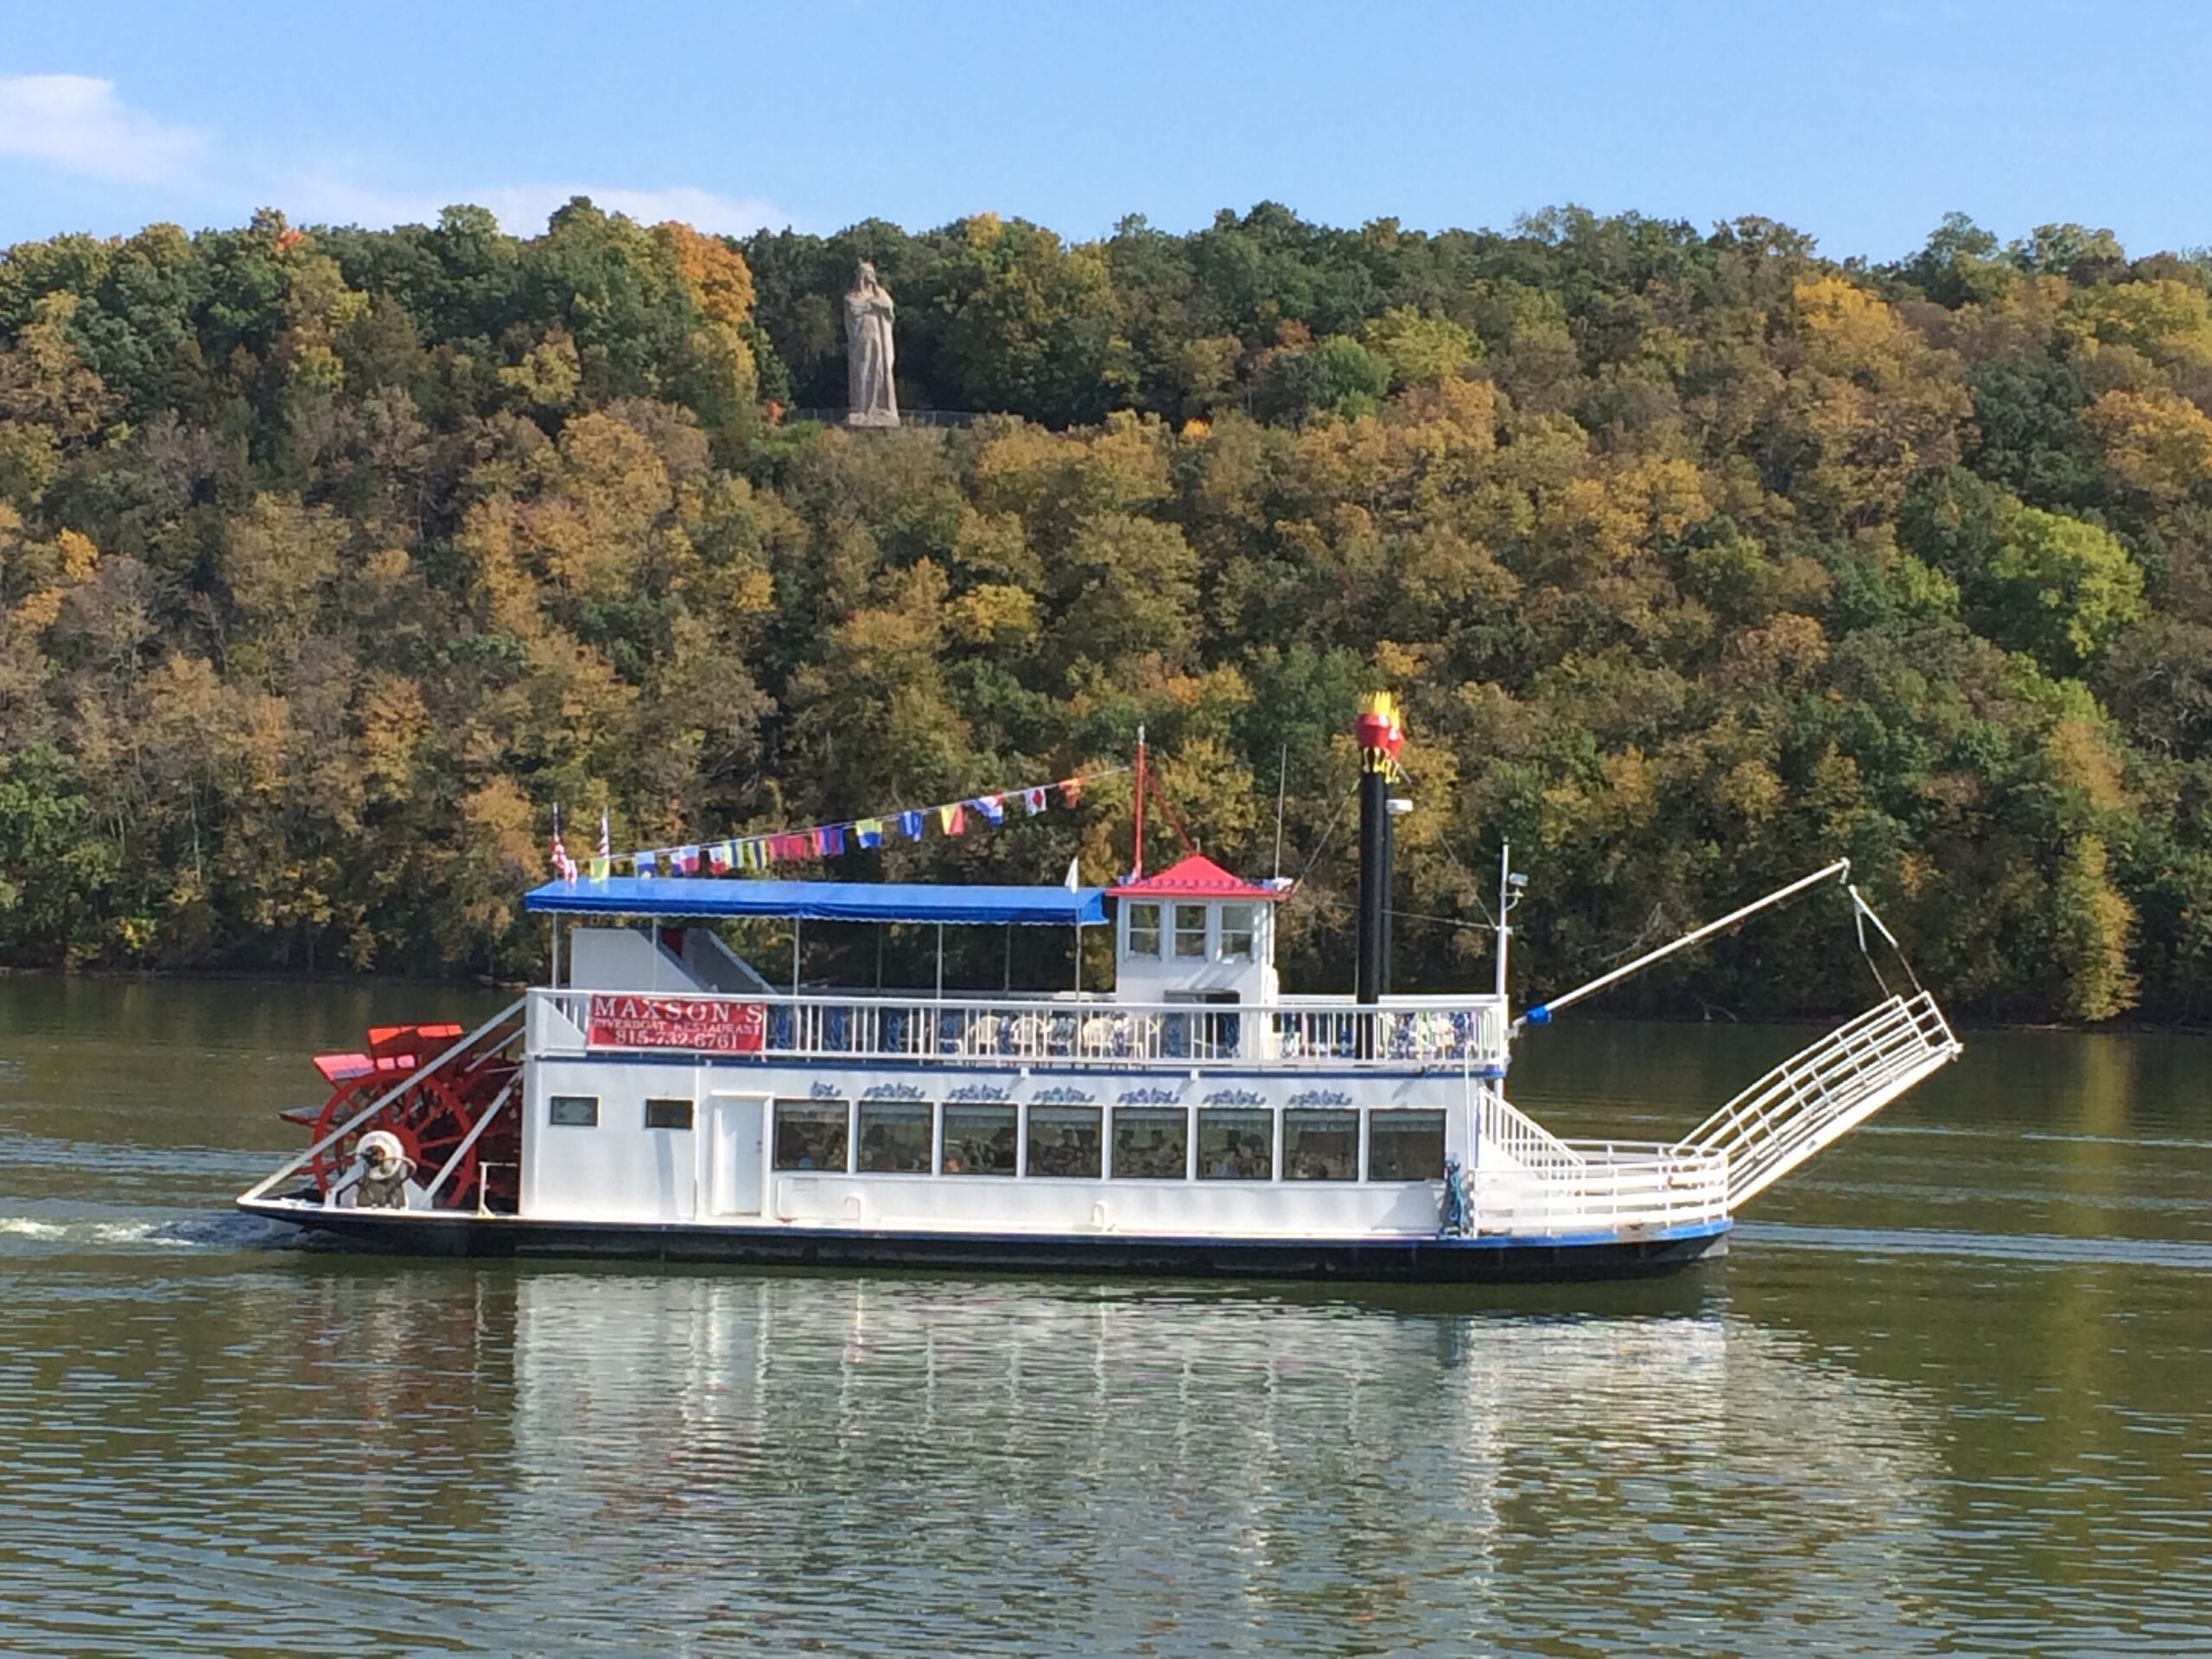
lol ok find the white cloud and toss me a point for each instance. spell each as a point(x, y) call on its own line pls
point(78, 126)
point(78, 123)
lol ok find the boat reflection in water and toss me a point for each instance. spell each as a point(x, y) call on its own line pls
point(970, 1465)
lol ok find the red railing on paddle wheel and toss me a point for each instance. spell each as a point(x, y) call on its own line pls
point(435, 1117)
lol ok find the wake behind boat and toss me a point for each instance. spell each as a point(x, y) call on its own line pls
point(658, 1097)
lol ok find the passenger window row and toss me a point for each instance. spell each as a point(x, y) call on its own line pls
point(1076, 1142)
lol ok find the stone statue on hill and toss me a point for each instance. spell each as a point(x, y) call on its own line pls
point(870, 396)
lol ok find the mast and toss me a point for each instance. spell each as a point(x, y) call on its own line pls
point(1136, 864)
point(1504, 908)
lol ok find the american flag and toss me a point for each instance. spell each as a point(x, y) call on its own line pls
point(563, 866)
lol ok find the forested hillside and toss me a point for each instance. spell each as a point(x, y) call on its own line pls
point(331, 560)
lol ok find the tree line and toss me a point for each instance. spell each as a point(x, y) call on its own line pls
point(331, 560)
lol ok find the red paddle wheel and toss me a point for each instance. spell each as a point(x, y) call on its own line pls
point(434, 1116)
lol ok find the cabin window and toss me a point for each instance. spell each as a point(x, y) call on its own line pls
point(1144, 930)
point(1190, 930)
point(668, 1114)
point(894, 1137)
point(1064, 1141)
point(1405, 1146)
point(1320, 1145)
point(1236, 932)
point(573, 1111)
point(1236, 1144)
point(1150, 1142)
point(811, 1135)
point(978, 1141)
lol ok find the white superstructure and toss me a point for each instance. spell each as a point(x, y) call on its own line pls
point(661, 1091)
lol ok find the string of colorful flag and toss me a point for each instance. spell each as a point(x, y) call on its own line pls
point(741, 854)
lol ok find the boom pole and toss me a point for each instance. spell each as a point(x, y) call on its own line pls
point(1542, 1012)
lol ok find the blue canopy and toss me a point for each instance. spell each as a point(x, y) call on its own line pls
point(820, 901)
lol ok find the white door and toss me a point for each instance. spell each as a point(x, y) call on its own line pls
point(731, 1149)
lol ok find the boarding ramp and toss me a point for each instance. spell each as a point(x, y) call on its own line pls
point(1814, 1098)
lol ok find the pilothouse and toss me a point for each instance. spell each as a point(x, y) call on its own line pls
point(661, 1097)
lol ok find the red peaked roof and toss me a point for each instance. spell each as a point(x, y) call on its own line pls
point(1195, 877)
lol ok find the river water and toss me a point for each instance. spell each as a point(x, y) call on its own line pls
point(1948, 1392)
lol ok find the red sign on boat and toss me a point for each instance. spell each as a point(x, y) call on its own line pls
point(677, 1022)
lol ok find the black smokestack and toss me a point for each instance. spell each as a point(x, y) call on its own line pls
point(1379, 737)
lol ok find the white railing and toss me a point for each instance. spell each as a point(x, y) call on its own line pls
point(1461, 1034)
point(1813, 1097)
point(1613, 1189)
point(1521, 1138)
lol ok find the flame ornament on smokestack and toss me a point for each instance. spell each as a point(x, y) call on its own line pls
point(1380, 738)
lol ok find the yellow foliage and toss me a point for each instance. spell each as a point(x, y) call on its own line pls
point(1751, 790)
point(994, 613)
point(2168, 322)
point(1395, 664)
point(392, 721)
point(719, 280)
point(1788, 647)
point(549, 374)
point(1850, 331)
point(36, 612)
point(2083, 760)
point(2157, 442)
point(2092, 923)
point(79, 555)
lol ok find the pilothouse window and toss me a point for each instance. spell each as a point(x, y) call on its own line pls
point(1144, 930)
point(1190, 930)
point(811, 1135)
point(1236, 932)
point(1405, 1146)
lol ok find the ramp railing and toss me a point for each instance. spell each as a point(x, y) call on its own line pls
point(1815, 1096)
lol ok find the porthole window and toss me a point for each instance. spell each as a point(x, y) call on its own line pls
point(573, 1111)
point(894, 1138)
point(811, 1135)
point(668, 1114)
point(1320, 1145)
point(979, 1140)
point(1236, 1144)
point(1064, 1141)
point(1150, 1142)
point(1405, 1146)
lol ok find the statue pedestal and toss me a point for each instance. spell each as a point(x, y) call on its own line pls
point(875, 418)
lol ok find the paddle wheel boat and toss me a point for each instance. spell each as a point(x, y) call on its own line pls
point(660, 1098)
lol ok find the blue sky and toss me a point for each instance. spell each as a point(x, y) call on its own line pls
point(1861, 125)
